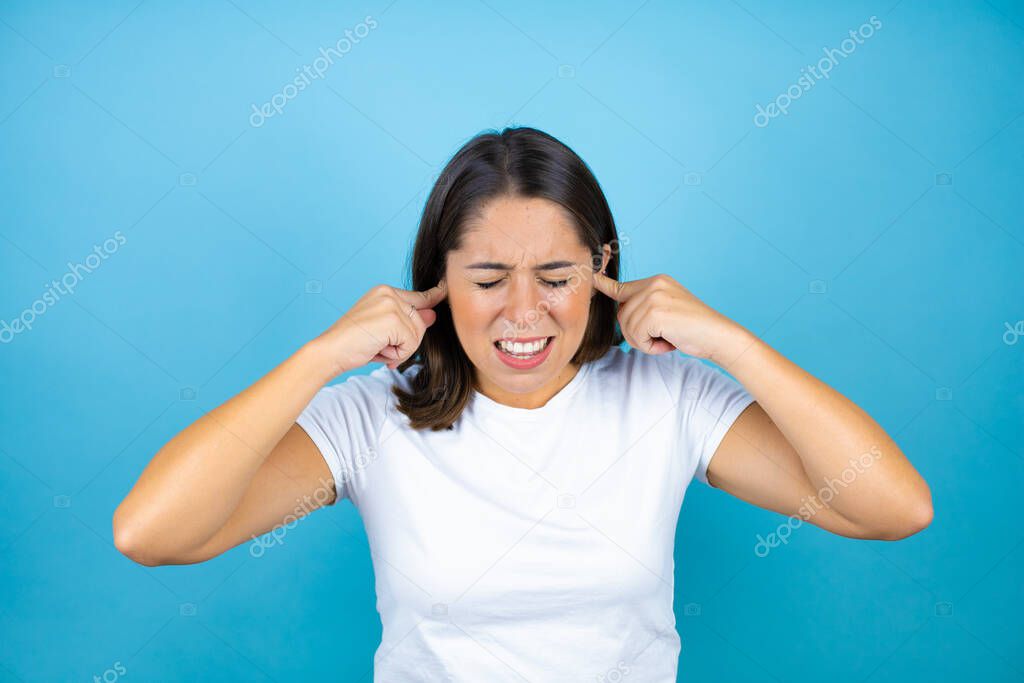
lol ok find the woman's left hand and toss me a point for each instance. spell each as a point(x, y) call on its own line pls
point(657, 315)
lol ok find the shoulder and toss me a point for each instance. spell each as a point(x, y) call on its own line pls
point(677, 368)
point(368, 391)
point(673, 372)
point(355, 409)
point(619, 362)
point(633, 365)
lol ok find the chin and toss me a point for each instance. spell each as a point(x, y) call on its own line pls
point(522, 383)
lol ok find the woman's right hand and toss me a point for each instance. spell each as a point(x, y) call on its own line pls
point(385, 326)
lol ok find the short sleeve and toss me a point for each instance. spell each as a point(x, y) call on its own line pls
point(709, 401)
point(344, 420)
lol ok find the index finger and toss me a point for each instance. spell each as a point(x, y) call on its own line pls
point(618, 291)
point(427, 298)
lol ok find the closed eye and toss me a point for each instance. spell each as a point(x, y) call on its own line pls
point(550, 283)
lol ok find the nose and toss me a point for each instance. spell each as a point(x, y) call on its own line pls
point(523, 297)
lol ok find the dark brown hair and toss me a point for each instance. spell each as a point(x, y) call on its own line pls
point(517, 162)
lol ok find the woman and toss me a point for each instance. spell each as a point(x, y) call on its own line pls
point(518, 473)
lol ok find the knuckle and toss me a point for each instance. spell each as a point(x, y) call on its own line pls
point(659, 297)
point(399, 307)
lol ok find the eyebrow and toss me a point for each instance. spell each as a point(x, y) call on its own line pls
point(492, 265)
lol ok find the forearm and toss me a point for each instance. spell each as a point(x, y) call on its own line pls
point(195, 481)
point(840, 446)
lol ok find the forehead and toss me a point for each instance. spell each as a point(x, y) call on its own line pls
point(517, 229)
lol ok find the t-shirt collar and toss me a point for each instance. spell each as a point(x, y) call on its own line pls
point(481, 405)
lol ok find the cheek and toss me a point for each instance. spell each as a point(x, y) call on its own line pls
point(570, 308)
point(470, 310)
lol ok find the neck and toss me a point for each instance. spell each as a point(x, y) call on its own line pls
point(534, 399)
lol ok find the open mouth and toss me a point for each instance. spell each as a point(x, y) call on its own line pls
point(523, 350)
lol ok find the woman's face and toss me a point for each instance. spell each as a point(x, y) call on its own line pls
point(522, 276)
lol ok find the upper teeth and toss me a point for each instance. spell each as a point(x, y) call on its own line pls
point(523, 348)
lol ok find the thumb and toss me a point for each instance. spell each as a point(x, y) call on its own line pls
point(427, 315)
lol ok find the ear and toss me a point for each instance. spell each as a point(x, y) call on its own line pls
point(606, 256)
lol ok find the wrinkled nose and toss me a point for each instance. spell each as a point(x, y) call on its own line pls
point(523, 297)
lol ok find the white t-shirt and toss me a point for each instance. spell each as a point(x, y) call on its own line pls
point(529, 544)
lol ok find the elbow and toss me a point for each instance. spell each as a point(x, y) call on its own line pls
point(914, 521)
point(143, 545)
point(135, 550)
point(132, 543)
point(926, 514)
point(916, 524)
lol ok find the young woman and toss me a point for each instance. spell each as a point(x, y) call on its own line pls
point(518, 473)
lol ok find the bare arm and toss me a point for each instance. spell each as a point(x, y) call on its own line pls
point(801, 443)
point(245, 467)
point(234, 473)
point(804, 449)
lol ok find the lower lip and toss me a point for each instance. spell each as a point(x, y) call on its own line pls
point(525, 363)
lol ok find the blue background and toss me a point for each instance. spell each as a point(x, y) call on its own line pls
point(873, 235)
